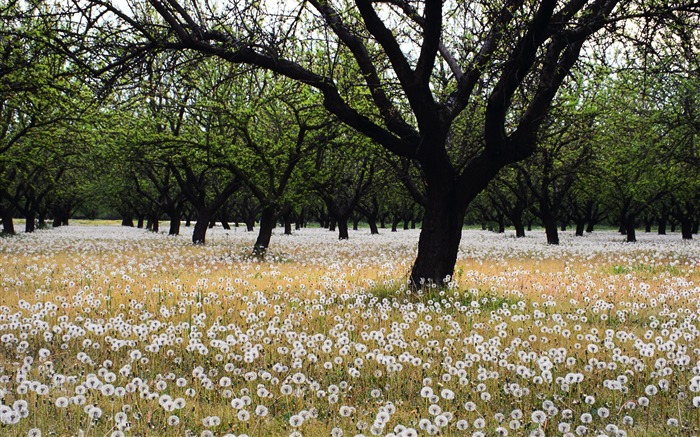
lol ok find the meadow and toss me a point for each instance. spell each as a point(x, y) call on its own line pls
point(110, 331)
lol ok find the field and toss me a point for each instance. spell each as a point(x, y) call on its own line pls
point(116, 331)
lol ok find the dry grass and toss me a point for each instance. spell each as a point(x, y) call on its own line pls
point(138, 312)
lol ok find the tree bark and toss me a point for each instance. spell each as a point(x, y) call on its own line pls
point(394, 225)
point(249, 226)
point(580, 228)
point(686, 228)
point(8, 224)
point(550, 229)
point(629, 229)
point(199, 235)
point(128, 221)
point(343, 228)
point(30, 222)
point(140, 222)
point(439, 239)
point(268, 222)
point(372, 225)
point(519, 227)
point(174, 225)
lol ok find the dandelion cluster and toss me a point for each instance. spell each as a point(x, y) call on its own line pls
point(114, 331)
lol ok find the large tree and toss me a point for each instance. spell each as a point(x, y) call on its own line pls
point(421, 65)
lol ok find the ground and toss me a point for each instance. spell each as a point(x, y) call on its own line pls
point(117, 331)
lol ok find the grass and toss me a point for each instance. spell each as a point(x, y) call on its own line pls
point(340, 315)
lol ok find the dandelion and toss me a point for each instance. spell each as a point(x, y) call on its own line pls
point(538, 416)
point(296, 420)
point(174, 421)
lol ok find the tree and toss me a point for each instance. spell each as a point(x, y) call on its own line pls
point(443, 61)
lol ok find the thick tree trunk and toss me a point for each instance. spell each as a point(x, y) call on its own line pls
point(406, 225)
point(439, 239)
point(686, 228)
point(140, 222)
point(56, 222)
point(662, 227)
point(174, 225)
point(30, 222)
point(8, 224)
point(128, 221)
point(580, 227)
point(501, 225)
point(155, 225)
point(199, 235)
point(268, 222)
point(550, 229)
point(519, 227)
point(395, 224)
point(331, 224)
point(372, 225)
point(343, 228)
point(590, 227)
point(355, 224)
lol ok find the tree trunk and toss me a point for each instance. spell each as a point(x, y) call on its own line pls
point(128, 221)
point(331, 224)
point(550, 229)
point(519, 227)
point(580, 227)
point(355, 224)
point(140, 222)
point(8, 224)
point(174, 225)
point(287, 219)
point(372, 225)
point(501, 225)
point(629, 229)
point(439, 239)
point(662, 225)
point(589, 227)
point(155, 225)
point(199, 235)
point(224, 222)
point(686, 228)
point(268, 222)
point(343, 228)
point(249, 225)
point(56, 222)
point(406, 225)
point(30, 222)
point(395, 224)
